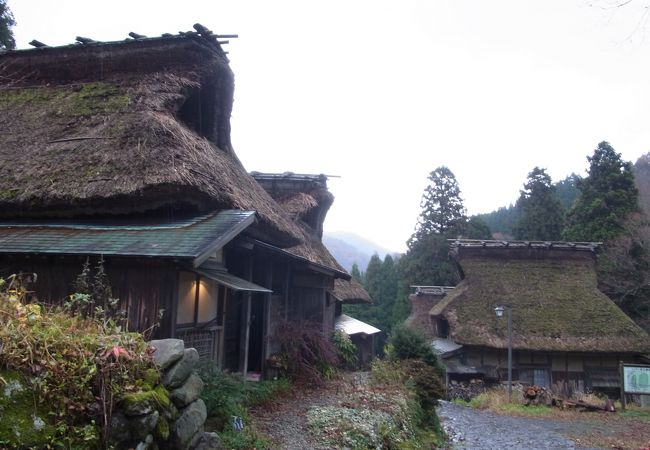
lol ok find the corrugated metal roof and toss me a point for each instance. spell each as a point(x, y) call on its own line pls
point(444, 346)
point(350, 325)
point(217, 272)
point(195, 238)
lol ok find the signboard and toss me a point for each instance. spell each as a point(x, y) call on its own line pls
point(636, 379)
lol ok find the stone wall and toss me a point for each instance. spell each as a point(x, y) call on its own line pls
point(170, 415)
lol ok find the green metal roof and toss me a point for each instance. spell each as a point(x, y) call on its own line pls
point(194, 238)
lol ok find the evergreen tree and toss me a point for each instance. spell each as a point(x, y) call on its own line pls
point(624, 269)
point(442, 207)
point(388, 289)
point(356, 274)
point(607, 197)
point(567, 191)
point(541, 213)
point(373, 278)
point(7, 41)
point(476, 228)
point(502, 221)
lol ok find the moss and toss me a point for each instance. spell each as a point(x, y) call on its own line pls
point(150, 379)
point(8, 194)
point(157, 398)
point(94, 98)
point(24, 422)
point(162, 429)
point(553, 300)
point(77, 101)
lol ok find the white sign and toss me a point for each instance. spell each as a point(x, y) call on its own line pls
point(636, 379)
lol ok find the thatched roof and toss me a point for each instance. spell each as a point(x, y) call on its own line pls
point(124, 128)
point(304, 196)
point(306, 199)
point(350, 291)
point(556, 305)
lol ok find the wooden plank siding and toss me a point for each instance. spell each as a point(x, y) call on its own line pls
point(143, 286)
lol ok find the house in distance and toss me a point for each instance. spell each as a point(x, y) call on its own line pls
point(121, 152)
point(563, 327)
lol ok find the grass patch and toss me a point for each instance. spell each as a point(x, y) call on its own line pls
point(633, 412)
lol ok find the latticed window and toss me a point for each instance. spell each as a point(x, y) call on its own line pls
point(199, 317)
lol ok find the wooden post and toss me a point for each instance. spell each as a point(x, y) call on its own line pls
point(222, 338)
point(266, 344)
point(622, 382)
point(249, 277)
point(248, 333)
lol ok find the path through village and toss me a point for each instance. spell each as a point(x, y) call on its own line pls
point(285, 421)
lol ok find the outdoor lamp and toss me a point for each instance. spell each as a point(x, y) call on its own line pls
point(499, 311)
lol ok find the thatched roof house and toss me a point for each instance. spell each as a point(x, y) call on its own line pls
point(556, 304)
point(557, 309)
point(120, 152)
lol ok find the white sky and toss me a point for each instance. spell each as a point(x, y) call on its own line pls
point(381, 93)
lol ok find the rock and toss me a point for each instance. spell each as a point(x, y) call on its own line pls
point(187, 392)
point(188, 424)
point(143, 425)
point(147, 444)
point(119, 428)
point(167, 351)
point(206, 441)
point(144, 402)
point(178, 373)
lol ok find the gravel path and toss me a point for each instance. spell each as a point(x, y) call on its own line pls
point(285, 421)
point(475, 429)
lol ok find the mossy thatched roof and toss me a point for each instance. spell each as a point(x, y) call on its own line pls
point(124, 128)
point(350, 291)
point(556, 305)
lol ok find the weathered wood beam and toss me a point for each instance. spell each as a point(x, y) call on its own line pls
point(37, 44)
point(85, 40)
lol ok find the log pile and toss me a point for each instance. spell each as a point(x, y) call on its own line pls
point(537, 395)
point(580, 405)
point(465, 390)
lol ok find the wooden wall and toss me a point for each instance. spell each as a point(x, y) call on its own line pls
point(143, 286)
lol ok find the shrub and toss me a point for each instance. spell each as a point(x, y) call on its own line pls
point(307, 352)
point(429, 386)
point(78, 369)
point(226, 395)
point(345, 349)
point(407, 343)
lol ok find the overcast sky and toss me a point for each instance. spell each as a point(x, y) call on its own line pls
point(380, 93)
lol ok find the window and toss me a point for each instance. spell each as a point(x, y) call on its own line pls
point(198, 299)
point(535, 376)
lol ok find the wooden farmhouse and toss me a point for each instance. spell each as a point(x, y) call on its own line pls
point(563, 327)
point(121, 151)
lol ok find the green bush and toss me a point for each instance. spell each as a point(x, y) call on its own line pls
point(407, 343)
point(345, 349)
point(226, 395)
point(428, 385)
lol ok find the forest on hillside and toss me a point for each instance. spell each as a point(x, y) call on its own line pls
point(610, 205)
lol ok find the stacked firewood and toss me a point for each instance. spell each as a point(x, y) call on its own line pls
point(465, 390)
point(537, 395)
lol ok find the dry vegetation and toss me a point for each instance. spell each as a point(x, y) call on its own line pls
point(623, 430)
